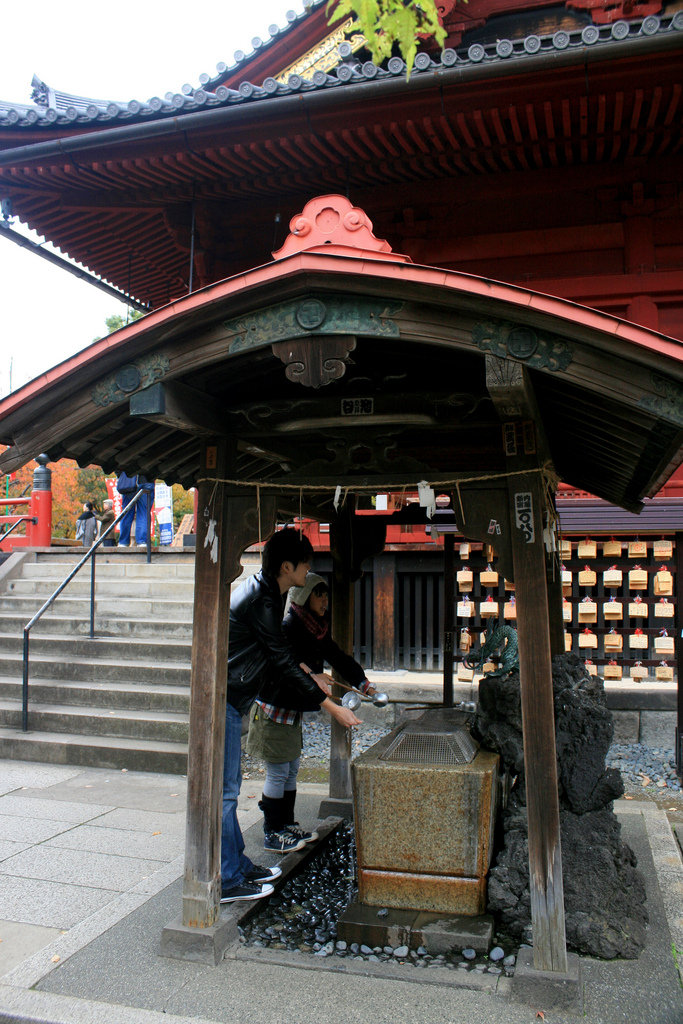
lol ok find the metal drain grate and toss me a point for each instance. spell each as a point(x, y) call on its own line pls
point(431, 748)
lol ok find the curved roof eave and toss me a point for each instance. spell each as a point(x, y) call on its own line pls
point(135, 119)
point(429, 284)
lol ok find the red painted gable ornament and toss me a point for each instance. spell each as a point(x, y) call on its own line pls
point(330, 224)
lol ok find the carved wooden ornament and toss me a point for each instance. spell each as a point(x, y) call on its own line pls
point(331, 224)
point(315, 360)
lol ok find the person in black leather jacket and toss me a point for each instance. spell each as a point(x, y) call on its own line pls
point(261, 662)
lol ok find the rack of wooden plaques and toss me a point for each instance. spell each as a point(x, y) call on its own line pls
point(619, 606)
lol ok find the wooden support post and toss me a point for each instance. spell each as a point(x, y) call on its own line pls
point(526, 449)
point(538, 722)
point(448, 617)
point(384, 612)
point(556, 619)
point(352, 540)
point(230, 526)
point(202, 878)
point(343, 592)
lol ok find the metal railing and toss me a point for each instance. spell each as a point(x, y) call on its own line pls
point(20, 520)
point(90, 555)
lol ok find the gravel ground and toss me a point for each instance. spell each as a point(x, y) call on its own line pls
point(644, 767)
point(316, 750)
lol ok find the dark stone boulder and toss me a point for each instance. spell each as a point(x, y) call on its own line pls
point(604, 893)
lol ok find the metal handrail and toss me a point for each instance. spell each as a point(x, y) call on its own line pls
point(22, 519)
point(91, 554)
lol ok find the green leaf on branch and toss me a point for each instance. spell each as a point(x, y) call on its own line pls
point(385, 22)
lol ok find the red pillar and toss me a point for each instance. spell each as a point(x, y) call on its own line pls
point(40, 534)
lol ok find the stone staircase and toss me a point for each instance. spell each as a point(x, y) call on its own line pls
point(118, 701)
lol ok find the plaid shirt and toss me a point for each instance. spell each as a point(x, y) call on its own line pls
point(284, 717)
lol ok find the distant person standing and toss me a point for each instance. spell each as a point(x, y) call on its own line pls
point(128, 486)
point(106, 519)
point(86, 525)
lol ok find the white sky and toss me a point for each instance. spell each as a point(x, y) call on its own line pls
point(128, 50)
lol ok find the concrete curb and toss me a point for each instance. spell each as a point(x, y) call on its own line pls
point(17, 1007)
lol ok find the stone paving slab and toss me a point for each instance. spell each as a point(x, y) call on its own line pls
point(24, 806)
point(49, 904)
point(15, 775)
point(158, 846)
point(76, 867)
point(150, 791)
point(142, 821)
point(28, 831)
point(20, 941)
point(8, 848)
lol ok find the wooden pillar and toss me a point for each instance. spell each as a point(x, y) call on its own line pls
point(222, 535)
point(343, 592)
point(448, 617)
point(384, 612)
point(556, 618)
point(202, 877)
point(538, 721)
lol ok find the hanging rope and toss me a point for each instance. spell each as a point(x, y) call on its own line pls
point(550, 477)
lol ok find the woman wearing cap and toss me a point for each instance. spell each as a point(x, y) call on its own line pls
point(275, 734)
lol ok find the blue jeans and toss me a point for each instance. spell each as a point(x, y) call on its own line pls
point(280, 778)
point(140, 513)
point(234, 863)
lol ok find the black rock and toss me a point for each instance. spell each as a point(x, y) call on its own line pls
point(604, 892)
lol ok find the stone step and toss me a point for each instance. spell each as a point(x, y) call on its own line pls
point(105, 626)
point(94, 751)
point(168, 726)
point(130, 607)
point(115, 649)
point(91, 670)
point(109, 569)
point(119, 587)
point(72, 555)
point(132, 696)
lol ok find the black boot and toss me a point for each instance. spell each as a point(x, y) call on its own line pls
point(292, 826)
point(275, 836)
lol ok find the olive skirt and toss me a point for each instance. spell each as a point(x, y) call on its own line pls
point(272, 741)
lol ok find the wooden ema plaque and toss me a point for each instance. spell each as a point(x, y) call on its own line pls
point(587, 610)
point(638, 640)
point(612, 670)
point(465, 578)
point(612, 609)
point(612, 577)
point(613, 641)
point(664, 583)
point(637, 578)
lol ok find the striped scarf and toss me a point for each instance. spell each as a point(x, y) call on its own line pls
point(318, 627)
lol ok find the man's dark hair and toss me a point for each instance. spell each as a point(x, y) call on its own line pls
point(285, 546)
point(89, 505)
